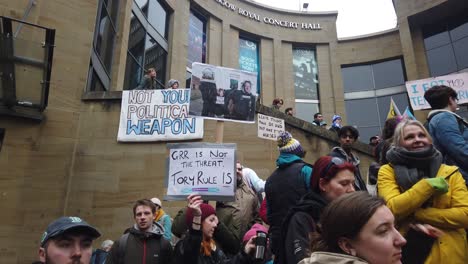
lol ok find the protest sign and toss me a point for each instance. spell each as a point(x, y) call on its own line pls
point(416, 89)
point(204, 168)
point(269, 127)
point(223, 93)
point(157, 115)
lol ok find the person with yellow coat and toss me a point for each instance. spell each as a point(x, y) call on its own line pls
point(425, 195)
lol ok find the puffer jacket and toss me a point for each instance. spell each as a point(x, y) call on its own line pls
point(328, 257)
point(449, 211)
point(142, 247)
point(450, 138)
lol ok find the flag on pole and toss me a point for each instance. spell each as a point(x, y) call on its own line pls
point(408, 115)
point(393, 111)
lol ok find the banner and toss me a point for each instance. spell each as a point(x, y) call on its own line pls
point(157, 115)
point(269, 127)
point(416, 89)
point(222, 93)
point(205, 168)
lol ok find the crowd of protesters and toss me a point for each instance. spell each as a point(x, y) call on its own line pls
point(310, 213)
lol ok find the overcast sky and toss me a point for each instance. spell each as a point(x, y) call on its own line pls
point(355, 17)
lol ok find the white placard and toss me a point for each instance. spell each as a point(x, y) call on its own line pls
point(157, 115)
point(269, 127)
point(204, 168)
point(416, 89)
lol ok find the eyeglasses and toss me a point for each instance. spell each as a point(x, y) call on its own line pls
point(240, 169)
point(334, 161)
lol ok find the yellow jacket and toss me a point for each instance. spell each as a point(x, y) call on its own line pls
point(449, 211)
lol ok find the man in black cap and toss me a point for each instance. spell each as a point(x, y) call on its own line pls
point(67, 240)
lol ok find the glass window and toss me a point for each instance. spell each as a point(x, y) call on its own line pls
point(144, 52)
point(103, 46)
point(196, 39)
point(446, 45)
point(357, 78)
point(248, 58)
point(305, 74)
point(305, 111)
point(441, 60)
point(388, 74)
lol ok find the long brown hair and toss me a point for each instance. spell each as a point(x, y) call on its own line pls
point(344, 217)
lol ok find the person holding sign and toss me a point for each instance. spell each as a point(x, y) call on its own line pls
point(198, 246)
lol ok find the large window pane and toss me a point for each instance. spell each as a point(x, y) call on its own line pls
point(441, 60)
point(437, 40)
point(388, 74)
point(306, 111)
point(133, 73)
point(357, 78)
point(157, 17)
point(459, 32)
point(305, 74)
point(363, 114)
point(196, 40)
point(248, 58)
point(105, 39)
point(155, 57)
point(461, 53)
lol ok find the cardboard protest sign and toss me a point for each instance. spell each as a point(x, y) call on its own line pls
point(416, 89)
point(269, 127)
point(204, 168)
point(223, 93)
point(157, 115)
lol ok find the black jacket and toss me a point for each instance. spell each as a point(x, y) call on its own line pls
point(142, 247)
point(298, 225)
point(187, 250)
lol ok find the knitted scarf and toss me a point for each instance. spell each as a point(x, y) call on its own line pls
point(412, 166)
point(159, 214)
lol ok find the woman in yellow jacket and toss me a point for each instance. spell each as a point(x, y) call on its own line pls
point(420, 189)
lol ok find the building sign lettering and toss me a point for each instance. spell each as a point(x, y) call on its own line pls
point(269, 20)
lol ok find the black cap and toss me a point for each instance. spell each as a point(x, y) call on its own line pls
point(67, 223)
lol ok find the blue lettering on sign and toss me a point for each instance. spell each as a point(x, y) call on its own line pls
point(176, 96)
point(462, 94)
point(175, 126)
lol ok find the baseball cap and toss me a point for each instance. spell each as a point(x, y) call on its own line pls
point(68, 223)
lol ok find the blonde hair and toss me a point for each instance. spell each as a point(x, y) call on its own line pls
point(398, 135)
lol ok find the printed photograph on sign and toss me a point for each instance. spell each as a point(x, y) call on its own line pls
point(157, 115)
point(207, 169)
point(222, 93)
point(269, 127)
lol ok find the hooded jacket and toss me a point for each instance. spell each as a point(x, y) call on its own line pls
point(297, 226)
point(339, 152)
point(450, 138)
point(142, 247)
point(328, 257)
point(293, 175)
point(447, 212)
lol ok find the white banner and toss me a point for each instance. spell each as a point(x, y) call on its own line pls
point(204, 168)
point(416, 89)
point(157, 115)
point(269, 127)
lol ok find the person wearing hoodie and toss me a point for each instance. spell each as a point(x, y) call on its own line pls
point(162, 218)
point(292, 174)
point(144, 242)
point(336, 124)
point(448, 130)
point(347, 136)
point(173, 84)
point(332, 177)
point(357, 228)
